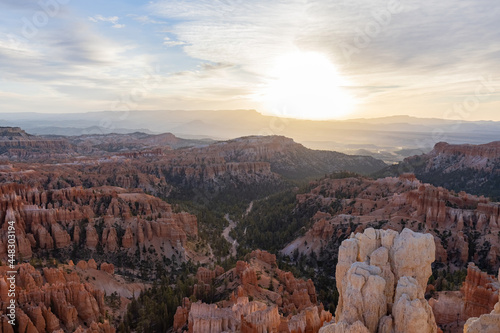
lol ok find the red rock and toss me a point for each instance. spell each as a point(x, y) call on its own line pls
point(45, 217)
point(180, 318)
point(246, 273)
point(54, 275)
point(61, 237)
point(267, 320)
point(110, 239)
point(92, 264)
point(108, 268)
point(82, 264)
point(480, 292)
point(92, 239)
point(448, 307)
point(205, 275)
point(264, 256)
point(128, 239)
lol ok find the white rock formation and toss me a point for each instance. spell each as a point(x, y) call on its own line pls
point(381, 277)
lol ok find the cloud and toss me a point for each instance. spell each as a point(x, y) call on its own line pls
point(171, 43)
point(213, 51)
point(414, 34)
point(145, 19)
point(423, 48)
point(111, 19)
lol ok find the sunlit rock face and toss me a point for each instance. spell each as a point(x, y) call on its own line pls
point(381, 277)
point(479, 157)
point(56, 219)
point(53, 299)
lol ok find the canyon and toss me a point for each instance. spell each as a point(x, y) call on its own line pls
point(464, 227)
point(110, 219)
point(103, 219)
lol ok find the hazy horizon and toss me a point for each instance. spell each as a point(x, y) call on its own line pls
point(347, 119)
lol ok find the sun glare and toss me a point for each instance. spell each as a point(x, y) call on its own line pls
point(306, 85)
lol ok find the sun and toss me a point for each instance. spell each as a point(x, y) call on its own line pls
point(306, 85)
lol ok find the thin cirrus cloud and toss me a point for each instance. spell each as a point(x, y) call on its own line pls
point(419, 47)
point(419, 37)
point(111, 19)
point(65, 65)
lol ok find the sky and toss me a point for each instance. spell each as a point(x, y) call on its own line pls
point(313, 59)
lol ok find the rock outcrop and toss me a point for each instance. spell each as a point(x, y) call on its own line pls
point(448, 308)
point(381, 277)
point(456, 220)
point(477, 296)
point(487, 323)
point(281, 302)
point(53, 299)
point(108, 268)
point(480, 292)
point(17, 144)
point(46, 219)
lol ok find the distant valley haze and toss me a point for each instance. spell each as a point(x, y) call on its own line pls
point(390, 138)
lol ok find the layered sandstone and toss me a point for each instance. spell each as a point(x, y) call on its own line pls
point(480, 292)
point(52, 299)
point(57, 218)
point(456, 220)
point(381, 277)
point(17, 144)
point(487, 323)
point(477, 296)
point(473, 156)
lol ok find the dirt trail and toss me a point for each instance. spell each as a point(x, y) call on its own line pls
point(232, 225)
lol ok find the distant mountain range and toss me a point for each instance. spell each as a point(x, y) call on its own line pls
point(282, 155)
point(390, 139)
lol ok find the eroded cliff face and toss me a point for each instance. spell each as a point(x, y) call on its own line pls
point(16, 144)
point(110, 218)
point(453, 157)
point(477, 296)
point(382, 277)
point(471, 168)
point(156, 172)
point(280, 302)
point(246, 160)
point(480, 292)
point(486, 323)
point(53, 299)
point(459, 222)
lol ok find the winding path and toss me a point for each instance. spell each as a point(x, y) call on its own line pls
point(232, 225)
point(225, 234)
